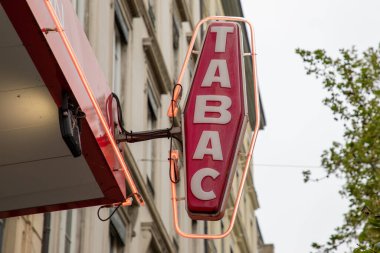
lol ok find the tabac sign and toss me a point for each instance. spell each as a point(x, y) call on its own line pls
point(214, 121)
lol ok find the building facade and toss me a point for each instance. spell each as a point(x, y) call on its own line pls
point(140, 45)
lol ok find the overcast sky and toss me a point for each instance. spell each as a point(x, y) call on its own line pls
point(292, 214)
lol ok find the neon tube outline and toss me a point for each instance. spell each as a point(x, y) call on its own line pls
point(174, 108)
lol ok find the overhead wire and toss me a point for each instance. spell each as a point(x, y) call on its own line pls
point(287, 165)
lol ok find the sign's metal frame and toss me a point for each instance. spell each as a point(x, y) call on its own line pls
point(239, 137)
point(173, 110)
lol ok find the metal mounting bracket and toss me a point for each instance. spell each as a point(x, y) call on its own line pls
point(132, 137)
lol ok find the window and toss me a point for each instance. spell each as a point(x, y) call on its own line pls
point(151, 147)
point(222, 231)
point(60, 232)
point(80, 7)
point(116, 87)
point(175, 33)
point(2, 224)
point(151, 12)
point(153, 247)
point(176, 36)
point(176, 245)
point(68, 230)
point(117, 233)
point(121, 23)
point(116, 246)
point(119, 49)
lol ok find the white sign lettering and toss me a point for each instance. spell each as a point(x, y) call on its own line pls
point(221, 37)
point(201, 108)
point(215, 151)
point(223, 78)
point(196, 183)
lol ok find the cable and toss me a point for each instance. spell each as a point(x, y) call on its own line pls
point(152, 134)
point(112, 213)
point(287, 165)
point(175, 169)
point(119, 114)
point(143, 135)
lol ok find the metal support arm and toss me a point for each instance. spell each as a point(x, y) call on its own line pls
point(131, 137)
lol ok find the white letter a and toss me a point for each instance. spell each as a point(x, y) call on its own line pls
point(215, 151)
point(210, 77)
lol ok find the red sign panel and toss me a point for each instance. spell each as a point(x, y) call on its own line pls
point(215, 117)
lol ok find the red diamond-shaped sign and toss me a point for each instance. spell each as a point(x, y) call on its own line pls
point(214, 121)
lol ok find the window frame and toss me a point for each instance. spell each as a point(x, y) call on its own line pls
point(68, 238)
point(151, 146)
point(117, 61)
point(2, 227)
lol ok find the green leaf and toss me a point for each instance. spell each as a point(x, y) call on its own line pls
point(352, 81)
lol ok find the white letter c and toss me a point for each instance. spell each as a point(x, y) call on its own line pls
point(196, 183)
